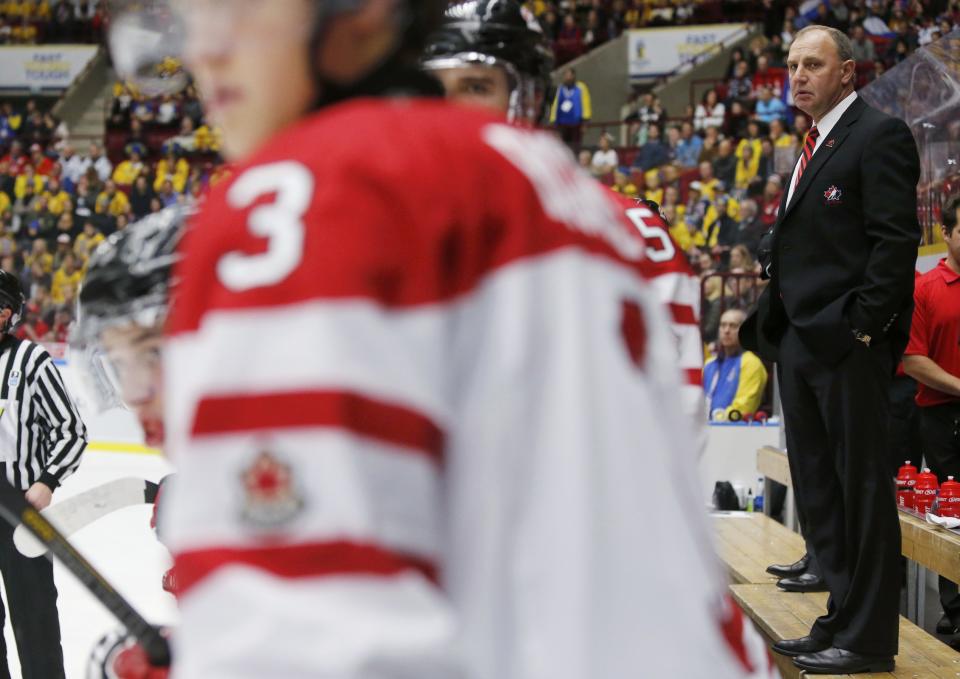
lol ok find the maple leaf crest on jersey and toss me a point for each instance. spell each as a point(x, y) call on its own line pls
point(465, 391)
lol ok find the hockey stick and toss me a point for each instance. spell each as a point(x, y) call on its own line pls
point(15, 509)
point(84, 508)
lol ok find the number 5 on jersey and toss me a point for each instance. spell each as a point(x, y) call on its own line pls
point(643, 219)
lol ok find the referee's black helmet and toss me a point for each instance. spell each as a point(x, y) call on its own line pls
point(11, 297)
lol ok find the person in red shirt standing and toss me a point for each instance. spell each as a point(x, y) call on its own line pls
point(41, 162)
point(933, 359)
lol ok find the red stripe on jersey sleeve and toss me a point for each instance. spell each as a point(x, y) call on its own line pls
point(683, 313)
point(380, 231)
point(310, 560)
point(694, 376)
point(359, 414)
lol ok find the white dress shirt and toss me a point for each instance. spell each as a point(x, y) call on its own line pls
point(824, 126)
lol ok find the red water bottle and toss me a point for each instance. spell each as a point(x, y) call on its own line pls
point(949, 504)
point(906, 480)
point(925, 491)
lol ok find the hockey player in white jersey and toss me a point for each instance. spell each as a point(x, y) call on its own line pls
point(493, 53)
point(418, 434)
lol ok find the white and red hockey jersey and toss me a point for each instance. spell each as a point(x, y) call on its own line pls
point(678, 288)
point(416, 388)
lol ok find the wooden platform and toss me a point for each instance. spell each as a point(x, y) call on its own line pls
point(785, 615)
point(748, 542)
point(928, 545)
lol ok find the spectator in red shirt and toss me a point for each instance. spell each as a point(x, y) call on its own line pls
point(765, 76)
point(772, 194)
point(16, 159)
point(33, 327)
point(42, 165)
point(932, 358)
point(569, 41)
point(62, 319)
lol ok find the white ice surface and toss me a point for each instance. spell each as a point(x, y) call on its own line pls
point(123, 547)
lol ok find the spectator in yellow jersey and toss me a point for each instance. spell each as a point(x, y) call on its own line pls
point(126, 173)
point(708, 182)
point(5, 205)
point(29, 176)
point(173, 167)
point(111, 201)
point(207, 138)
point(25, 33)
point(747, 166)
point(67, 278)
point(39, 255)
point(57, 199)
point(87, 241)
point(653, 191)
point(622, 184)
point(42, 10)
point(734, 379)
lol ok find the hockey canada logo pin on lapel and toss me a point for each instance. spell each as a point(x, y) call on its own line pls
point(832, 195)
point(270, 496)
point(828, 143)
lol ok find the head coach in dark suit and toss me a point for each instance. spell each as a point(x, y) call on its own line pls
point(836, 318)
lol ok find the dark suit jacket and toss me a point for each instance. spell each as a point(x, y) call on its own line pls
point(843, 252)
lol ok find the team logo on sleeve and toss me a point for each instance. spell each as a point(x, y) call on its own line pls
point(14, 378)
point(270, 496)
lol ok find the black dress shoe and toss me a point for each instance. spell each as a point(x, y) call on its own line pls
point(945, 627)
point(839, 661)
point(791, 570)
point(808, 582)
point(804, 645)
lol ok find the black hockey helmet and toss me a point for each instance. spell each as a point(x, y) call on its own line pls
point(11, 297)
point(128, 281)
point(496, 33)
point(130, 271)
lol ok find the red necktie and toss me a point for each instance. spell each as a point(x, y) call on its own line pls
point(808, 146)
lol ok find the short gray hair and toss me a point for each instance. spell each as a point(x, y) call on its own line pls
point(840, 39)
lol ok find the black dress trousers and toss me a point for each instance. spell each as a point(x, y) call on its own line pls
point(837, 437)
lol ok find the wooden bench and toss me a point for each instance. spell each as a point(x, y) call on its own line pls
point(931, 547)
point(748, 542)
point(923, 544)
point(786, 615)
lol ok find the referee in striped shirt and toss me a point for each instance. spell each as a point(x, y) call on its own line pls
point(41, 441)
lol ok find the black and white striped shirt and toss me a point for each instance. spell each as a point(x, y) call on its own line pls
point(41, 434)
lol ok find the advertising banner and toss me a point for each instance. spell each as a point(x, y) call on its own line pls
point(42, 67)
